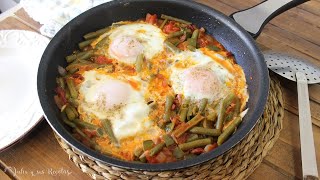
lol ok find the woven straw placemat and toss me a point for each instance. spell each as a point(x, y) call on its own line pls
point(238, 163)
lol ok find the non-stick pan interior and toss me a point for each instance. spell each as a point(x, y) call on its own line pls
point(224, 29)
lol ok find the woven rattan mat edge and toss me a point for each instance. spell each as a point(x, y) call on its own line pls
point(238, 163)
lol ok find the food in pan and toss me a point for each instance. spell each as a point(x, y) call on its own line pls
point(153, 90)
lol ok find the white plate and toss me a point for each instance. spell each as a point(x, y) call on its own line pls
point(20, 110)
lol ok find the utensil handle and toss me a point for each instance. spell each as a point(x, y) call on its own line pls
point(308, 156)
point(255, 18)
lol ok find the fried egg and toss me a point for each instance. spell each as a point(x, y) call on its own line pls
point(129, 40)
point(118, 100)
point(205, 74)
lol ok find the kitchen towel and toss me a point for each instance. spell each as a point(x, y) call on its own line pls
point(54, 14)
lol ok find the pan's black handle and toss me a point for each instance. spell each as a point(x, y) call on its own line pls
point(255, 18)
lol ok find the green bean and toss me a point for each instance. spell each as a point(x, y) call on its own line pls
point(100, 132)
point(189, 114)
point(222, 110)
point(171, 47)
point(92, 143)
point(74, 110)
point(83, 61)
point(174, 41)
point(85, 43)
point(147, 144)
point(205, 131)
point(215, 103)
point(208, 124)
point(191, 48)
point(163, 16)
point(236, 110)
point(183, 114)
point(184, 110)
point(73, 66)
point(185, 127)
point(203, 104)
point(195, 110)
point(70, 113)
point(168, 105)
point(103, 42)
point(168, 140)
point(143, 158)
point(138, 151)
point(186, 102)
point(73, 57)
point(86, 125)
point(237, 106)
point(155, 150)
point(195, 144)
point(95, 34)
point(61, 83)
point(192, 42)
point(67, 93)
point(212, 116)
point(163, 23)
point(192, 137)
point(229, 130)
point(178, 153)
point(67, 121)
point(74, 102)
point(73, 70)
point(195, 34)
point(108, 130)
point(175, 34)
point(213, 48)
point(169, 127)
point(139, 62)
point(72, 88)
point(87, 55)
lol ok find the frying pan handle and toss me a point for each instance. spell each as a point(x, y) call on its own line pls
point(255, 18)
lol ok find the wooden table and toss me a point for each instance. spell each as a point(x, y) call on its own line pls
point(297, 31)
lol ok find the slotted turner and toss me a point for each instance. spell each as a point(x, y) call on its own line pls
point(304, 73)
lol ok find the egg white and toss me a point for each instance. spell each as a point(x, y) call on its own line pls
point(106, 97)
point(129, 40)
point(201, 77)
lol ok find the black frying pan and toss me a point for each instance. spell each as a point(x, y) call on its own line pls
point(230, 34)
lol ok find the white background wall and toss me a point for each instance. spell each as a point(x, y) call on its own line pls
point(6, 4)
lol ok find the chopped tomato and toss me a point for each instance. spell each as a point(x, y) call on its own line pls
point(89, 133)
point(170, 28)
point(182, 139)
point(58, 101)
point(102, 60)
point(192, 27)
point(62, 94)
point(229, 54)
point(177, 100)
point(202, 42)
point(210, 147)
point(197, 151)
point(151, 19)
point(175, 119)
point(183, 46)
point(183, 37)
point(162, 157)
point(230, 108)
point(77, 78)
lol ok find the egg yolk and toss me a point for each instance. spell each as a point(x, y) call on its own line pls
point(126, 48)
point(201, 81)
point(111, 94)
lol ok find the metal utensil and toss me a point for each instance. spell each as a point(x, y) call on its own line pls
point(304, 73)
